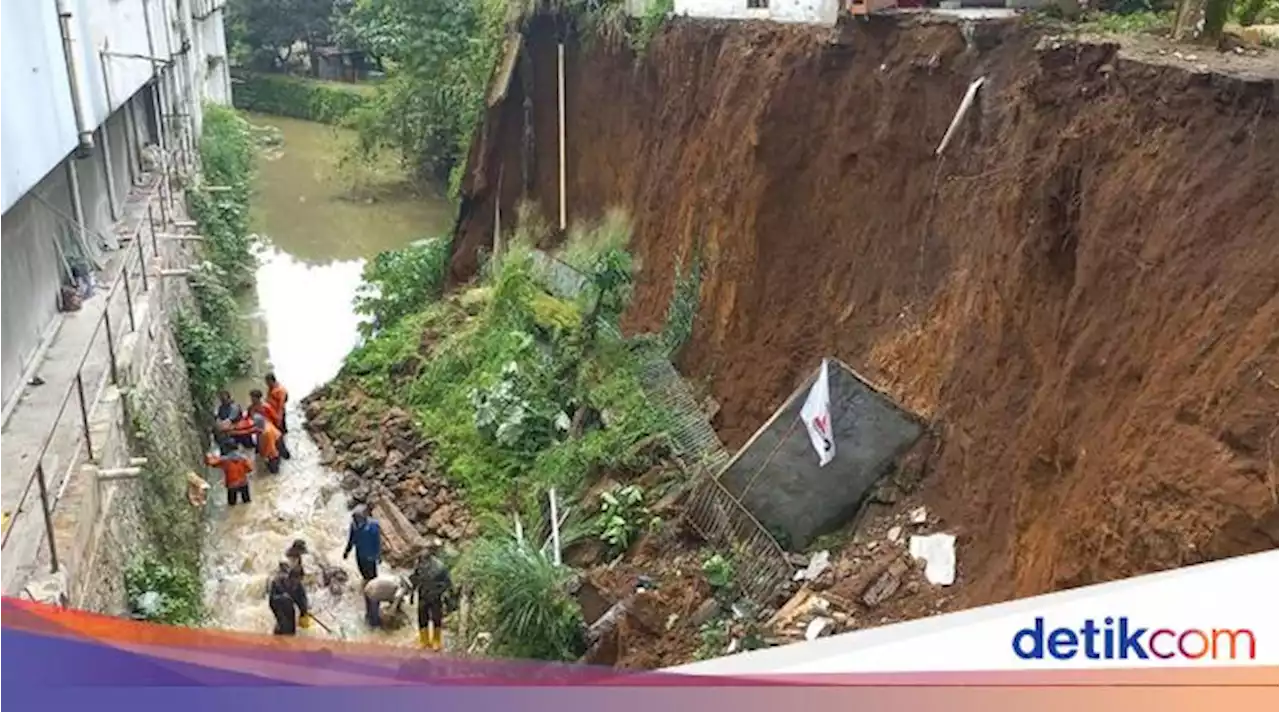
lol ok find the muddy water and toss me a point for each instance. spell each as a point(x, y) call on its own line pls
point(301, 323)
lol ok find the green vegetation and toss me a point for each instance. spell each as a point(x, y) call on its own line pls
point(518, 391)
point(398, 283)
point(162, 593)
point(719, 572)
point(440, 56)
point(163, 584)
point(300, 97)
point(623, 517)
point(524, 599)
point(1140, 22)
point(683, 308)
point(264, 33)
point(209, 336)
point(1256, 12)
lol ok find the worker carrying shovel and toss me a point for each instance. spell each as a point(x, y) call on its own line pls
point(431, 584)
point(288, 600)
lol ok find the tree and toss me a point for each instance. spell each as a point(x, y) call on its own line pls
point(1216, 13)
point(440, 54)
point(269, 30)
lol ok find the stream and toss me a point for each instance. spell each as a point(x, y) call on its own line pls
point(301, 324)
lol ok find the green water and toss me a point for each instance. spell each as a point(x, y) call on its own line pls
point(316, 239)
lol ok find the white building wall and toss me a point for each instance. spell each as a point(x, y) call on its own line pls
point(816, 12)
point(41, 146)
point(38, 123)
point(39, 127)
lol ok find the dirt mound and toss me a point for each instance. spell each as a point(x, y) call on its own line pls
point(383, 457)
point(1080, 294)
point(661, 630)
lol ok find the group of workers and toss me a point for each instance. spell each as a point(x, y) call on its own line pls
point(429, 583)
point(260, 428)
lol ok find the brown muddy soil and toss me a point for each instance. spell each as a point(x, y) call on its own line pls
point(1081, 294)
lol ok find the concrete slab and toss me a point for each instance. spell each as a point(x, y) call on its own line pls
point(777, 476)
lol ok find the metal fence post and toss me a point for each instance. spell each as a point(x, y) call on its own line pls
point(48, 516)
point(142, 263)
point(128, 296)
point(151, 219)
point(111, 344)
point(84, 414)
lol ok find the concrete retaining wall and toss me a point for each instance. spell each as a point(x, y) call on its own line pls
point(99, 526)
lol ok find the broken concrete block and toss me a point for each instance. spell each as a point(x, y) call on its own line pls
point(919, 515)
point(818, 563)
point(817, 627)
point(895, 534)
point(939, 554)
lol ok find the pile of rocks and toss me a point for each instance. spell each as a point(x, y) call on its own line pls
point(390, 461)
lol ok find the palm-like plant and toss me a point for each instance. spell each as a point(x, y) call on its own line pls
point(526, 598)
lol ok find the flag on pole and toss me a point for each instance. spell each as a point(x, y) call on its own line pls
point(816, 415)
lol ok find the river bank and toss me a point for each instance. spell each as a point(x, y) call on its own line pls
point(300, 323)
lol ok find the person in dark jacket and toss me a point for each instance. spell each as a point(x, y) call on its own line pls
point(365, 537)
point(288, 600)
point(294, 556)
point(431, 583)
point(232, 421)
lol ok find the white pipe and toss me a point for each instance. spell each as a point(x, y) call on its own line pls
point(960, 112)
point(555, 528)
point(563, 221)
point(74, 77)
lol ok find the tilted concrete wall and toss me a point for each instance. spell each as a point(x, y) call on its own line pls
point(777, 476)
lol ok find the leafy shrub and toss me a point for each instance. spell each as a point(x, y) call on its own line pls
point(209, 336)
point(400, 282)
point(164, 594)
point(298, 97)
point(682, 310)
point(623, 517)
point(719, 572)
point(495, 375)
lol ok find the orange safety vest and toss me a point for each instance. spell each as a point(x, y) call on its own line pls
point(235, 469)
point(277, 396)
point(244, 426)
point(268, 439)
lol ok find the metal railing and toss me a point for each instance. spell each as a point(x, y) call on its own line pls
point(131, 280)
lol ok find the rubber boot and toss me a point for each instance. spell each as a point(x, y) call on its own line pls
point(437, 642)
point(424, 638)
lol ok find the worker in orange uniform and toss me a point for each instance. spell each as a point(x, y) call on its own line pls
point(277, 398)
point(235, 472)
point(258, 406)
point(268, 442)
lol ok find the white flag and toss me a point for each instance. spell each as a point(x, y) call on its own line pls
point(816, 415)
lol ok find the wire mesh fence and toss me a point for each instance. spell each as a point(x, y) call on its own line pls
point(760, 564)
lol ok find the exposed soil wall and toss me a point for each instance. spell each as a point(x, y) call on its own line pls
point(1081, 295)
